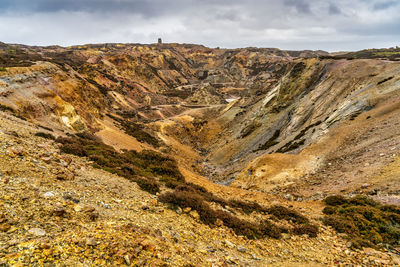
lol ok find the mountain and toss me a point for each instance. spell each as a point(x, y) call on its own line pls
point(181, 154)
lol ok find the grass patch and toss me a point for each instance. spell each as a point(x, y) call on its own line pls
point(3, 69)
point(366, 222)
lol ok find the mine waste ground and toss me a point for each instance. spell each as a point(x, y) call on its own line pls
point(183, 155)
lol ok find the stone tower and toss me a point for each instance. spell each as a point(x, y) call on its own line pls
point(159, 41)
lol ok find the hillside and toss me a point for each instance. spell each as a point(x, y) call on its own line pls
point(184, 155)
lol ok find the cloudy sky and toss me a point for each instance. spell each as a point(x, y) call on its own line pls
point(331, 25)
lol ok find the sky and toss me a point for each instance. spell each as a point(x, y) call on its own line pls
point(331, 25)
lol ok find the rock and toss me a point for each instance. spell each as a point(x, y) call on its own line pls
point(65, 161)
point(49, 194)
point(285, 236)
point(60, 212)
point(373, 192)
point(16, 151)
point(254, 256)
point(91, 213)
point(369, 251)
point(349, 244)
point(78, 208)
point(91, 242)
point(37, 232)
point(364, 186)
point(69, 196)
point(47, 159)
point(289, 197)
point(229, 244)
point(342, 235)
point(366, 164)
point(179, 210)
point(127, 259)
point(66, 175)
point(194, 215)
point(4, 227)
point(147, 245)
point(242, 249)
point(44, 245)
point(176, 237)
point(137, 250)
point(107, 206)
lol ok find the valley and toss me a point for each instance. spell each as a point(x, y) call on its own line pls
point(219, 130)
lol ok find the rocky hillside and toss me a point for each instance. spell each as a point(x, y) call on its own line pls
point(242, 144)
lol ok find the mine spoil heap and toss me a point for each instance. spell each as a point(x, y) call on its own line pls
point(183, 155)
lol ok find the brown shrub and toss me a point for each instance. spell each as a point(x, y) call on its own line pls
point(365, 221)
point(209, 216)
point(310, 229)
point(281, 212)
point(335, 200)
point(74, 149)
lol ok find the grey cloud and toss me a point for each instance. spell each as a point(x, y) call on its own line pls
point(300, 5)
point(288, 24)
point(333, 9)
point(385, 5)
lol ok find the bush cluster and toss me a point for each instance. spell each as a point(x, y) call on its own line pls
point(146, 168)
point(209, 216)
point(197, 198)
point(150, 170)
point(283, 213)
point(365, 221)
